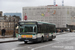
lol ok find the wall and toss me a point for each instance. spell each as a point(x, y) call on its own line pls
point(59, 15)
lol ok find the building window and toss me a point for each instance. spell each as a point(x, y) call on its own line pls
point(29, 8)
point(38, 8)
point(59, 8)
point(33, 8)
point(51, 8)
point(25, 9)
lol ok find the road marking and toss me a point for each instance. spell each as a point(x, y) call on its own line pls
point(63, 47)
point(20, 47)
point(69, 47)
point(57, 46)
point(51, 44)
point(29, 47)
point(32, 49)
point(16, 48)
point(43, 46)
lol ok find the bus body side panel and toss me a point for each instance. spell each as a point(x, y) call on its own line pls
point(46, 36)
point(39, 36)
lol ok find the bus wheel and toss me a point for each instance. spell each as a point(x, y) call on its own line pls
point(47, 40)
point(42, 39)
point(25, 42)
point(51, 38)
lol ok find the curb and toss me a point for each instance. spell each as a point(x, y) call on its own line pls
point(8, 41)
point(6, 37)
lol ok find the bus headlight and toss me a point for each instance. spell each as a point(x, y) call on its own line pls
point(19, 36)
point(34, 37)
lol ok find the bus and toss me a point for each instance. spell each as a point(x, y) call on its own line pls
point(36, 31)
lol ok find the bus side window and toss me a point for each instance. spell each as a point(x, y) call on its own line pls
point(39, 28)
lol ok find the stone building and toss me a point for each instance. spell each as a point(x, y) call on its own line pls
point(0, 13)
point(8, 22)
point(7, 25)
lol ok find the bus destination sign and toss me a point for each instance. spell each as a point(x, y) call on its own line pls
point(26, 23)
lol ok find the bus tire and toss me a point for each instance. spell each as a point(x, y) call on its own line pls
point(47, 39)
point(25, 42)
point(42, 39)
point(51, 38)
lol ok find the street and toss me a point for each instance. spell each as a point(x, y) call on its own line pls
point(61, 42)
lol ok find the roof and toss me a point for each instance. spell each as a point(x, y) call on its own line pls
point(36, 21)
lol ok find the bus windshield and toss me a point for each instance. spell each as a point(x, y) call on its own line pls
point(27, 29)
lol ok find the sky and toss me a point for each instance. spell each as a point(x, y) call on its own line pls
point(16, 5)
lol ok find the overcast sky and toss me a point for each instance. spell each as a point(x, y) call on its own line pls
point(16, 5)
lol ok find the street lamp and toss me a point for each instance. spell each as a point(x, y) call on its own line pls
point(14, 35)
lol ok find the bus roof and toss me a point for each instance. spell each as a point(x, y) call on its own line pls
point(46, 23)
point(36, 21)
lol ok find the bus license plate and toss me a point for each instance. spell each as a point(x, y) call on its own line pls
point(26, 40)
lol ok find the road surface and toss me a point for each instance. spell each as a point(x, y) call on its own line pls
point(61, 42)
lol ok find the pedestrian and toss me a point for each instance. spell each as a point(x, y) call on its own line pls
point(62, 30)
point(3, 32)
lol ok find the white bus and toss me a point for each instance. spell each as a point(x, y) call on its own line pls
point(36, 31)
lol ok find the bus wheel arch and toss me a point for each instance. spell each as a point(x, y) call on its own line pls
point(51, 38)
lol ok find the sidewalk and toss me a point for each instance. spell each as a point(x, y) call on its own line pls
point(3, 40)
point(7, 38)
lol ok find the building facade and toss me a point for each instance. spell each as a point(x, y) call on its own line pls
point(0, 13)
point(7, 25)
point(8, 22)
point(59, 15)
